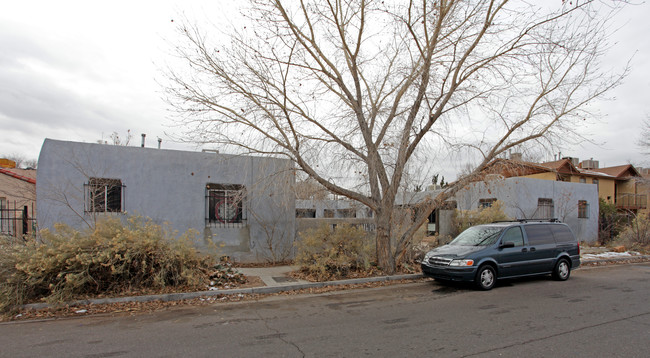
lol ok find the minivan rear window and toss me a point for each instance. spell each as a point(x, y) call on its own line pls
point(539, 234)
point(562, 234)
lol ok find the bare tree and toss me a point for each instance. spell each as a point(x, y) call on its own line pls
point(117, 140)
point(355, 91)
point(21, 161)
point(644, 140)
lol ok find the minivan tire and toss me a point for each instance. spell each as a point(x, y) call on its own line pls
point(562, 270)
point(486, 277)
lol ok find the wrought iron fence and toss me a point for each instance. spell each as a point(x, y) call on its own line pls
point(16, 221)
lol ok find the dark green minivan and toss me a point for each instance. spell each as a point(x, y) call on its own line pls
point(484, 253)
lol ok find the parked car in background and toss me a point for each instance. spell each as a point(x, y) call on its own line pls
point(484, 254)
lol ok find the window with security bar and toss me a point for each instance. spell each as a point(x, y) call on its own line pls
point(583, 209)
point(545, 209)
point(486, 203)
point(104, 195)
point(225, 205)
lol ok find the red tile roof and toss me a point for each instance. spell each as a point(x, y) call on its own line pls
point(12, 173)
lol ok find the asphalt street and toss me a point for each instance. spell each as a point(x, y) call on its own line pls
point(599, 312)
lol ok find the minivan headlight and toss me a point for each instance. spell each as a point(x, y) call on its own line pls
point(427, 256)
point(461, 263)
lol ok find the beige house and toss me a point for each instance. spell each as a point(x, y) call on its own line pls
point(17, 199)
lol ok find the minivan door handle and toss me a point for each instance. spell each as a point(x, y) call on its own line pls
point(532, 249)
point(524, 250)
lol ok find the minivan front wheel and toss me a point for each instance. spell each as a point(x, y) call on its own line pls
point(486, 277)
point(562, 270)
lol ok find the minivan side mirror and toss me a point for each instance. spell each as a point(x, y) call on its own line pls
point(507, 244)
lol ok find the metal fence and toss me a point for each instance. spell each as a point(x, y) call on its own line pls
point(16, 221)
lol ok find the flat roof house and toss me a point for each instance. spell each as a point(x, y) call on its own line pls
point(243, 204)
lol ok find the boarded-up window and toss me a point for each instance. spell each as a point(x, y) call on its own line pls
point(545, 209)
point(583, 209)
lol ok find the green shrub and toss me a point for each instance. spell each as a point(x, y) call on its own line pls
point(326, 253)
point(112, 258)
point(611, 222)
point(463, 219)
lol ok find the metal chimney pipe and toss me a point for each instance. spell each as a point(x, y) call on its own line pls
point(143, 135)
point(159, 142)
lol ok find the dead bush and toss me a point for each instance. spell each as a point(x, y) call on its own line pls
point(636, 235)
point(112, 258)
point(463, 219)
point(326, 253)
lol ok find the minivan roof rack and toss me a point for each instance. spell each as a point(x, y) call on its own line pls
point(551, 220)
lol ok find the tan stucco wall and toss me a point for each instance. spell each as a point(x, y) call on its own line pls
point(576, 179)
point(606, 189)
point(544, 176)
point(626, 187)
point(18, 191)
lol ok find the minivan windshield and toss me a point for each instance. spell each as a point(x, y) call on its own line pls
point(477, 236)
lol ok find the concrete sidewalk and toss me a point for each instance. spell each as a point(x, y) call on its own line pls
point(273, 276)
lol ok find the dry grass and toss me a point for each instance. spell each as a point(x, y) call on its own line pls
point(331, 254)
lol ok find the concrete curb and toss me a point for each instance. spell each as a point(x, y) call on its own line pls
point(616, 259)
point(236, 291)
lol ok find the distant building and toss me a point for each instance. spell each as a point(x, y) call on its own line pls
point(311, 213)
point(619, 185)
point(17, 199)
point(522, 198)
point(529, 198)
point(243, 204)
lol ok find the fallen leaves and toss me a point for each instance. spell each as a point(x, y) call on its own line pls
point(132, 308)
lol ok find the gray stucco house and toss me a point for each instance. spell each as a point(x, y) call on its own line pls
point(244, 204)
point(575, 204)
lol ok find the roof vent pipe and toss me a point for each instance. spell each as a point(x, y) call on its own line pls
point(143, 135)
point(159, 142)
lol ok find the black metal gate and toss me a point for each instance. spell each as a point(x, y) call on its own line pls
point(16, 221)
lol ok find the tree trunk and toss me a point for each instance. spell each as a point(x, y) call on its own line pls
point(385, 257)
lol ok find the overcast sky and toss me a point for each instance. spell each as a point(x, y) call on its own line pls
point(80, 70)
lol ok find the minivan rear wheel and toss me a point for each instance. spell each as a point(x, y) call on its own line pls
point(562, 270)
point(486, 277)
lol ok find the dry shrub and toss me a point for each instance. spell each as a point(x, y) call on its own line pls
point(637, 234)
point(325, 253)
point(112, 258)
point(464, 219)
